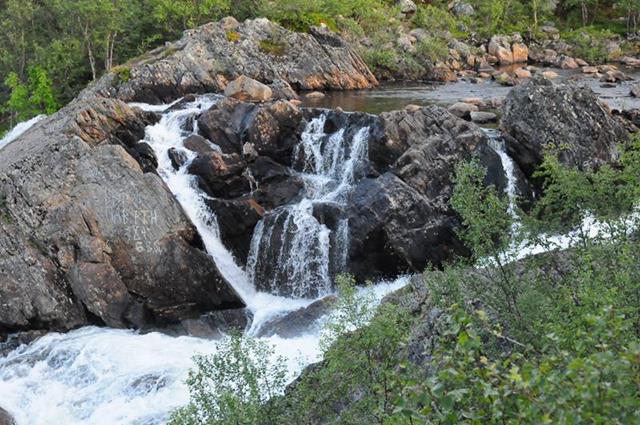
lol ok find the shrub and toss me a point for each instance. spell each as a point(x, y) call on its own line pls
point(233, 385)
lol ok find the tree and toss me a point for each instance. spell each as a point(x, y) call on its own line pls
point(30, 98)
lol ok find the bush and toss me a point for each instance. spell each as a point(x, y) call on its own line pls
point(233, 385)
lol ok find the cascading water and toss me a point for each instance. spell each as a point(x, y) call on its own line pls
point(105, 376)
point(20, 129)
point(297, 248)
point(497, 143)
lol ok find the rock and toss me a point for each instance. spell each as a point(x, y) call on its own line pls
point(550, 75)
point(212, 325)
point(522, 73)
point(90, 238)
point(500, 47)
point(581, 62)
point(539, 114)
point(274, 130)
point(282, 90)
point(402, 220)
point(520, 52)
point(276, 184)
point(477, 101)
point(6, 418)
point(224, 123)
point(589, 69)
point(566, 62)
point(613, 50)
point(443, 74)
point(205, 60)
point(177, 157)
point(635, 90)
point(483, 117)
point(315, 95)
point(199, 144)
point(505, 79)
point(407, 7)
point(615, 76)
point(550, 29)
point(248, 90)
point(298, 321)
point(462, 110)
point(461, 8)
point(221, 175)
point(236, 219)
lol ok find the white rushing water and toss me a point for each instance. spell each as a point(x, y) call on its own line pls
point(102, 376)
point(303, 249)
point(19, 130)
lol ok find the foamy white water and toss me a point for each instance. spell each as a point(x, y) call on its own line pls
point(102, 376)
point(303, 249)
point(19, 130)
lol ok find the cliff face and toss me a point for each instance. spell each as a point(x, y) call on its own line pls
point(87, 237)
point(207, 58)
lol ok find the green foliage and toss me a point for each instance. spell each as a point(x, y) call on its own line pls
point(122, 73)
point(30, 98)
point(432, 49)
point(233, 385)
point(589, 43)
point(596, 381)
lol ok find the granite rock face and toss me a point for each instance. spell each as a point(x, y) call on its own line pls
point(208, 58)
point(539, 115)
point(87, 237)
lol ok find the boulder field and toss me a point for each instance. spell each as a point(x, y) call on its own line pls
point(90, 234)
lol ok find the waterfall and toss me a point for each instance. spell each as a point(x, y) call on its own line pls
point(497, 143)
point(19, 130)
point(101, 376)
point(296, 249)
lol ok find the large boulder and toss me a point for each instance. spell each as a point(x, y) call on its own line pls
point(248, 89)
point(540, 114)
point(87, 237)
point(403, 220)
point(207, 58)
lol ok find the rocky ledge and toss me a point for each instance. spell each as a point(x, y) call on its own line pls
point(207, 58)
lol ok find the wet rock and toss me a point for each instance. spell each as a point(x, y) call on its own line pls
point(221, 175)
point(205, 60)
point(299, 321)
point(276, 184)
point(224, 124)
point(199, 144)
point(6, 418)
point(91, 238)
point(236, 219)
point(550, 75)
point(635, 90)
point(146, 157)
point(442, 73)
point(177, 157)
point(590, 70)
point(212, 325)
point(522, 73)
point(275, 130)
point(483, 117)
point(248, 90)
point(539, 114)
point(403, 220)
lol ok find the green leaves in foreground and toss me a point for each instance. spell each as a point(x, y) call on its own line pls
point(233, 385)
